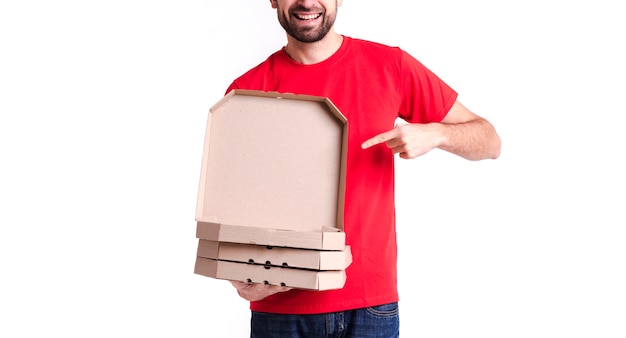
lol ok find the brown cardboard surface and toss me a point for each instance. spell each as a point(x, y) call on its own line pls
point(324, 239)
point(273, 161)
point(275, 256)
point(295, 278)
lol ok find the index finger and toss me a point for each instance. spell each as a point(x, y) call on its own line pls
point(378, 139)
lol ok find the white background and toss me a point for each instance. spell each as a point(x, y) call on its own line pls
point(103, 107)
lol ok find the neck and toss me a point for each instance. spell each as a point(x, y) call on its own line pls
point(313, 52)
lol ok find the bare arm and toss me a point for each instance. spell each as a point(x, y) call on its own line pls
point(461, 132)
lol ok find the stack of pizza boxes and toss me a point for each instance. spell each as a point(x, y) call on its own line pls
point(270, 201)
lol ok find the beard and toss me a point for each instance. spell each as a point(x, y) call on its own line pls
point(306, 34)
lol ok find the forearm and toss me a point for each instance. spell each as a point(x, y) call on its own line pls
point(474, 140)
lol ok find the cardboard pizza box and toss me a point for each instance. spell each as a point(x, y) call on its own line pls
point(254, 273)
point(276, 256)
point(273, 171)
point(325, 239)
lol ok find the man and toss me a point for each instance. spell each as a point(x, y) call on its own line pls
point(372, 85)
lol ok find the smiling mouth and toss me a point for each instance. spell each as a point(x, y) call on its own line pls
point(307, 17)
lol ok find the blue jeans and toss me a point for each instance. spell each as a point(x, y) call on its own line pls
point(381, 321)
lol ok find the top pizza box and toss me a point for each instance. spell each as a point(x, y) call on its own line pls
point(273, 163)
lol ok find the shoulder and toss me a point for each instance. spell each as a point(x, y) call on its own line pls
point(374, 52)
point(382, 56)
point(257, 74)
point(373, 46)
point(264, 65)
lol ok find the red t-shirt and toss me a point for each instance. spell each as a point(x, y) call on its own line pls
point(372, 85)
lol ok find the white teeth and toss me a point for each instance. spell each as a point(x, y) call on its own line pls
point(308, 17)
